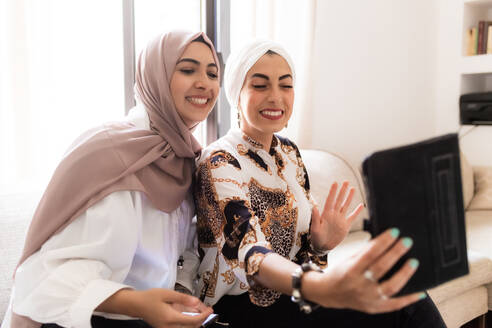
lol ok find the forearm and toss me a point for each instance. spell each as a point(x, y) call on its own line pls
point(276, 273)
point(122, 302)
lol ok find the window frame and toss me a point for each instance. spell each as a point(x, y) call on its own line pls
point(216, 16)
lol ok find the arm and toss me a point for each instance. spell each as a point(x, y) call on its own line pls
point(227, 228)
point(83, 266)
point(78, 268)
point(158, 307)
point(344, 286)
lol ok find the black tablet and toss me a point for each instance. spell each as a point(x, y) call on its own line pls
point(417, 188)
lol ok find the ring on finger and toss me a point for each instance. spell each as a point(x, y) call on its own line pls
point(381, 294)
point(369, 275)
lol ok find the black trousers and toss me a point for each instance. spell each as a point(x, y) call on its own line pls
point(241, 313)
point(100, 322)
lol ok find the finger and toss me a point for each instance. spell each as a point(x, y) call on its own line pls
point(394, 304)
point(347, 201)
point(394, 284)
point(375, 249)
point(341, 195)
point(183, 308)
point(315, 219)
point(172, 296)
point(389, 259)
point(331, 197)
point(355, 213)
point(203, 308)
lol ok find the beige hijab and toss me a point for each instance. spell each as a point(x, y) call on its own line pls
point(119, 156)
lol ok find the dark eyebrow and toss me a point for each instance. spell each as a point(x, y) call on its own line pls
point(188, 60)
point(263, 76)
point(194, 61)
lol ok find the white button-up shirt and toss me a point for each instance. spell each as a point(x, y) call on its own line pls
point(122, 241)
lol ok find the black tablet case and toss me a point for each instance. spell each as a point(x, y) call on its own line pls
point(417, 188)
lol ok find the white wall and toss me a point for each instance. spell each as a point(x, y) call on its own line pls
point(373, 74)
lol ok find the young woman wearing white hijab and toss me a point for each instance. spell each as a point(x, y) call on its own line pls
point(258, 225)
point(103, 246)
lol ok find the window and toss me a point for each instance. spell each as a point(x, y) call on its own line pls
point(61, 64)
point(63, 71)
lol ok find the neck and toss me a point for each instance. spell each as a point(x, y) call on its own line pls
point(265, 139)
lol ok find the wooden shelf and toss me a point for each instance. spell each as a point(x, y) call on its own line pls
point(480, 64)
point(478, 2)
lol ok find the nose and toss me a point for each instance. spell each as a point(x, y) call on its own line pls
point(275, 97)
point(201, 81)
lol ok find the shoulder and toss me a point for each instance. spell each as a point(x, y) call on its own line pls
point(288, 146)
point(218, 158)
point(284, 141)
point(222, 151)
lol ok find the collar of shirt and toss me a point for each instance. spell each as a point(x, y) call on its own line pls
point(252, 144)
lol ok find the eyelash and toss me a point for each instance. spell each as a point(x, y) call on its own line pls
point(264, 86)
point(188, 71)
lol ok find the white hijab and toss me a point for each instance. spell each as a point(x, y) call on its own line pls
point(240, 62)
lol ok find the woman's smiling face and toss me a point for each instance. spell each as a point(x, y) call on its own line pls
point(195, 84)
point(267, 97)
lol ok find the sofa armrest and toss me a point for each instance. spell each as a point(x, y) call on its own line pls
point(323, 169)
point(482, 197)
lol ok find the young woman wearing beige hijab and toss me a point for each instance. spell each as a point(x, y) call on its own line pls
point(104, 242)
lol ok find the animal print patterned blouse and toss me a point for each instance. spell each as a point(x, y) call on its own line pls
point(249, 203)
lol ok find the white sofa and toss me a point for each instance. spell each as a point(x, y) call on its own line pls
point(460, 300)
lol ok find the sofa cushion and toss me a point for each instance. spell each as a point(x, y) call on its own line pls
point(480, 274)
point(479, 231)
point(324, 168)
point(482, 200)
point(15, 214)
point(467, 180)
point(463, 308)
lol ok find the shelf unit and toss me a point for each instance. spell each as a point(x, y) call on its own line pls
point(475, 75)
point(476, 71)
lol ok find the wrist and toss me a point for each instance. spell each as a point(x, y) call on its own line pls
point(122, 302)
point(311, 282)
point(317, 249)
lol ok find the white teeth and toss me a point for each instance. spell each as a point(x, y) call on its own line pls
point(199, 101)
point(272, 112)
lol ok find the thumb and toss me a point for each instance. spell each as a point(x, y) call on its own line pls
point(184, 299)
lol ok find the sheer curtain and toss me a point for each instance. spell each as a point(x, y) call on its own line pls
point(61, 73)
point(290, 22)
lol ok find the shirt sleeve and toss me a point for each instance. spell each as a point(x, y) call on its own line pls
point(80, 267)
point(231, 241)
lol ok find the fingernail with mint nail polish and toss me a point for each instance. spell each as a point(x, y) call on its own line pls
point(395, 232)
point(407, 242)
point(422, 296)
point(414, 263)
